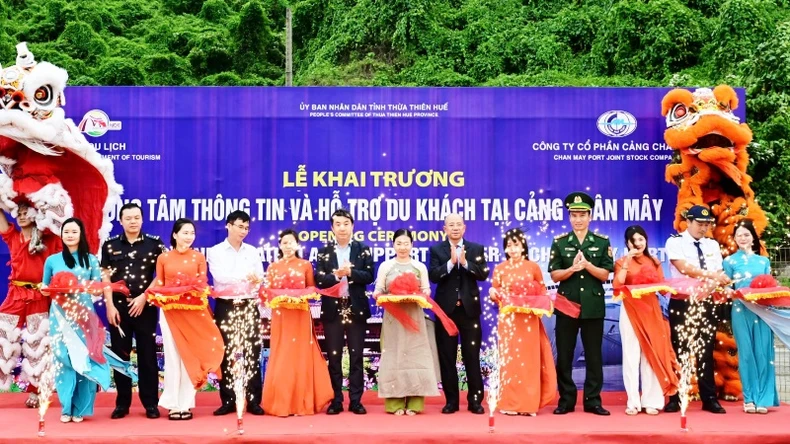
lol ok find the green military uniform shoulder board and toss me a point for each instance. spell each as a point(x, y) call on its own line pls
point(560, 236)
point(602, 236)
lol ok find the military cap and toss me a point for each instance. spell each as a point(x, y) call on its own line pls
point(578, 201)
point(700, 213)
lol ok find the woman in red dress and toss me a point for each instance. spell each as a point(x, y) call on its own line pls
point(297, 377)
point(528, 380)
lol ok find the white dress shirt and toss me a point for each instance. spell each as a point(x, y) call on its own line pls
point(457, 247)
point(681, 247)
point(230, 268)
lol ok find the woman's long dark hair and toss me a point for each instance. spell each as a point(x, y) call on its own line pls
point(749, 225)
point(516, 235)
point(83, 251)
point(629, 237)
point(284, 233)
point(177, 227)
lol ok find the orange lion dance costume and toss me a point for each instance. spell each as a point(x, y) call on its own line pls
point(710, 169)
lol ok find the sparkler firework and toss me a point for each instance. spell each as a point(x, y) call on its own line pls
point(45, 388)
point(243, 333)
point(493, 383)
point(693, 334)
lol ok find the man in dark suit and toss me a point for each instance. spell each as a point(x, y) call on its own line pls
point(346, 317)
point(456, 266)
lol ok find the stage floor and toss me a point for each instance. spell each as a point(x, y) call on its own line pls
point(19, 424)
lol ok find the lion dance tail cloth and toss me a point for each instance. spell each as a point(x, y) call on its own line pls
point(10, 349)
point(49, 167)
point(35, 340)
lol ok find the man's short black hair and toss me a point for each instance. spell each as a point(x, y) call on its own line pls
point(237, 215)
point(129, 206)
point(342, 212)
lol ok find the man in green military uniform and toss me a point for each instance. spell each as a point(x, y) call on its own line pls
point(581, 262)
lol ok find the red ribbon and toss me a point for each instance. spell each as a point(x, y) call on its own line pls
point(65, 283)
point(408, 284)
point(190, 295)
point(567, 307)
point(268, 294)
point(765, 285)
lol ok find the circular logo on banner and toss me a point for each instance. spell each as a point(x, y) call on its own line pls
point(616, 123)
point(96, 123)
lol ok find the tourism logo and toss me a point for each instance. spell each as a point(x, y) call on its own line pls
point(96, 123)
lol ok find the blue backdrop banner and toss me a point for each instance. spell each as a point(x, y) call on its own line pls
point(396, 157)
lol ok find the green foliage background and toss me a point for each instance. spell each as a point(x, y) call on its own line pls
point(436, 43)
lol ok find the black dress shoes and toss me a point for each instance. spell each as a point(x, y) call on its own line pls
point(334, 408)
point(449, 408)
point(152, 412)
point(713, 406)
point(672, 407)
point(597, 410)
point(357, 408)
point(119, 413)
point(477, 409)
point(562, 410)
point(225, 410)
point(255, 409)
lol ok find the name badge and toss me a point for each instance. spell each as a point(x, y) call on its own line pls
point(593, 249)
point(570, 249)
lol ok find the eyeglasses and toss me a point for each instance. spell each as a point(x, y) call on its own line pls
point(242, 227)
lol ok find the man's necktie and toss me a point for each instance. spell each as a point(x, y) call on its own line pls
point(701, 256)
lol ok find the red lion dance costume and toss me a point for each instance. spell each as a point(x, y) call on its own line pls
point(49, 167)
point(710, 169)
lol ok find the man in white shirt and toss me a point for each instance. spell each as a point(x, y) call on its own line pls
point(694, 255)
point(237, 271)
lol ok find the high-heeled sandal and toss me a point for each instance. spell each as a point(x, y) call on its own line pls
point(631, 411)
point(749, 407)
point(410, 412)
point(651, 411)
point(399, 412)
point(761, 410)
